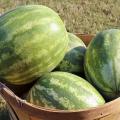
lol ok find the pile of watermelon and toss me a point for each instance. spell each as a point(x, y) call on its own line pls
point(64, 73)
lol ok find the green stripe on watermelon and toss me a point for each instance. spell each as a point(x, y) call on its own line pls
point(102, 63)
point(62, 90)
point(74, 58)
point(33, 41)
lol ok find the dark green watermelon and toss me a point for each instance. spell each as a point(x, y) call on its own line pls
point(102, 63)
point(74, 58)
point(65, 91)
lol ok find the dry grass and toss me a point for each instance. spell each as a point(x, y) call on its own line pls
point(85, 16)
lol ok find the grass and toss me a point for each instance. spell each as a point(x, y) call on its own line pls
point(84, 16)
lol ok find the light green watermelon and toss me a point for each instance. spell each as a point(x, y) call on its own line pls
point(102, 63)
point(33, 41)
point(65, 91)
point(74, 58)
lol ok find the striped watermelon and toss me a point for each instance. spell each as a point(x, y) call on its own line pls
point(65, 91)
point(33, 41)
point(74, 58)
point(102, 63)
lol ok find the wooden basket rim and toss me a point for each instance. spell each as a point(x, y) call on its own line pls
point(5, 92)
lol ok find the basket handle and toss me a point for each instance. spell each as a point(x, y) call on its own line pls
point(6, 93)
point(2, 86)
point(5, 90)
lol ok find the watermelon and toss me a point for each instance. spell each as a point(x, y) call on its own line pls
point(64, 91)
point(102, 63)
point(4, 114)
point(74, 57)
point(33, 41)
